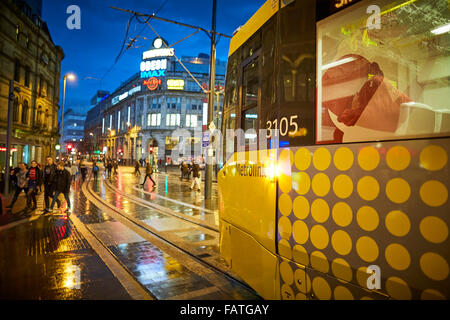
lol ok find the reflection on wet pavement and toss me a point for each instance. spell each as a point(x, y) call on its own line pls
point(168, 186)
point(49, 259)
point(164, 276)
point(198, 237)
point(180, 199)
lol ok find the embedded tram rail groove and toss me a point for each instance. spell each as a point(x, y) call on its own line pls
point(87, 190)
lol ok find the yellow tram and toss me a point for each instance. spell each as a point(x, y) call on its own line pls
point(349, 200)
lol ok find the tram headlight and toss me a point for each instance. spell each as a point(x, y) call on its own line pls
point(272, 171)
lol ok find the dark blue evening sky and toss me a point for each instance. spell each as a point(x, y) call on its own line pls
point(91, 51)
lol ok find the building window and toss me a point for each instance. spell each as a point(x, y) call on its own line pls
point(27, 77)
point(42, 86)
point(388, 89)
point(25, 112)
point(174, 103)
point(154, 119)
point(173, 119)
point(39, 113)
point(16, 110)
point(28, 41)
point(17, 71)
point(17, 33)
point(118, 120)
point(196, 104)
point(191, 120)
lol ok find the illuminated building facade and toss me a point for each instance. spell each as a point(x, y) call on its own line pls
point(144, 111)
point(31, 59)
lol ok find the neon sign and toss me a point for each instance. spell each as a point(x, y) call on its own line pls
point(152, 83)
point(155, 73)
point(153, 68)
point(165, 52)
point(125, 95)
point(175, 84)
point(159, 64)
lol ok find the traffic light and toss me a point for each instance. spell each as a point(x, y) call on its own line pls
point(151, 149)
point(69, 147)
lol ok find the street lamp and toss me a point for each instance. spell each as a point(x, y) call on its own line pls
point(71, 77)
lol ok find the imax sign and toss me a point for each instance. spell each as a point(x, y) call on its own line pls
point(155, 73)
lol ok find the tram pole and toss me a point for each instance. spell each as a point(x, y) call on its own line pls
point(212, 74)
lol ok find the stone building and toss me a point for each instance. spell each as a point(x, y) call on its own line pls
point(143, 112)
point(30, 58)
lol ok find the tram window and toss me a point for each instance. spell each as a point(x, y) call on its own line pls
point(250, 121)
point(229, 123)
point(296, 58)
point(384, 75)
point(231, 94)
point(250, 84)
point(268, 64)
point(298, 78)
point(252, 45)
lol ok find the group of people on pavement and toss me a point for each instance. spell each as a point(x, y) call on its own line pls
point(187, 169)
point(111, 167)
point(56, 178)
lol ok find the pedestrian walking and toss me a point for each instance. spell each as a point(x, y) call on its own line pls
point(148, 172)
point(73, 172)
point(184, 171)
point(62, 186)
point(95, 170)
point(20, 180)
point(137, 172)
point(195, 176)
point(40, 180)
point(109, 168)
point(83, 170)
point(49, 178)
point(115, 167)
point(33, 176)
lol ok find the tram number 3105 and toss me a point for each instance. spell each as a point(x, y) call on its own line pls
point(284, 126)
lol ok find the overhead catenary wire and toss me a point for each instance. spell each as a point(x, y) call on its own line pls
point(132, 40)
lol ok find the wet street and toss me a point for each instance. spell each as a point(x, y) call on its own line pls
point(121, 241)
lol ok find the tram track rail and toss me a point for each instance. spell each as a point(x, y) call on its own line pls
point(162, 209)
point(146, 232)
